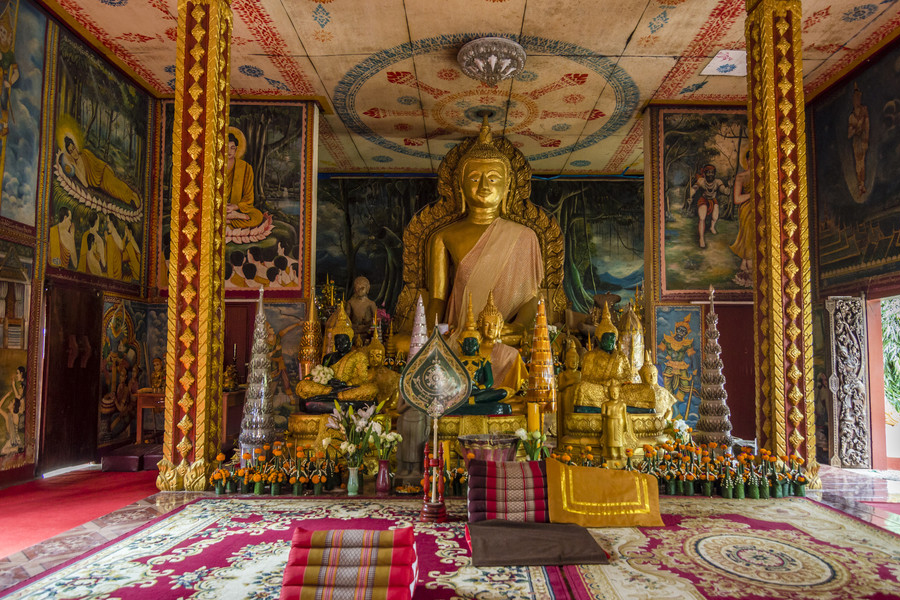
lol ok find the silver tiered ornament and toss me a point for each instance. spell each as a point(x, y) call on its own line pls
point(257, 424)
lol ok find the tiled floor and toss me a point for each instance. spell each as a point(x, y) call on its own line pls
point(845, 490)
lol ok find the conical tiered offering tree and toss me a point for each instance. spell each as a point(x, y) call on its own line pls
point(419, 330)
point(310, 342)
point(541, 380)
point(257, 424)
point(714, 424)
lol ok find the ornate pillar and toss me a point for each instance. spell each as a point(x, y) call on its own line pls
point(194, 351)
point(785, 396)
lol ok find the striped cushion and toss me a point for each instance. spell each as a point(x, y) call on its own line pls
point(351, 564)
point(513, 491)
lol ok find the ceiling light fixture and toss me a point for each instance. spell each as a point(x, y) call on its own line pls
point(491, 59)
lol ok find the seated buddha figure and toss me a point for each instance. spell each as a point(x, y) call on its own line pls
point(484, 399)
point(484, 251)
point(506, 362)
point(601, 368)
point(350, 383)
point(386, 379)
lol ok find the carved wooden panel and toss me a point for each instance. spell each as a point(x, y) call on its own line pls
point(851, 439)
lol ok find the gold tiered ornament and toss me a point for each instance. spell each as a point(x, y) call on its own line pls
point(541, 395)
point(434, 382)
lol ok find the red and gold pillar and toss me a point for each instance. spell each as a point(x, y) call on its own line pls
point(785, 404)
point(194, 350)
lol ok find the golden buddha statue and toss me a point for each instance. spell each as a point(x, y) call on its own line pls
point(601, 367)
point(506, 362)
point(482, 234)
point(566, 383)
point(386, 380)
point(484, 250)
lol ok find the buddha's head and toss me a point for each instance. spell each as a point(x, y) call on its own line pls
point(571, 359)
point(361, 287)
point(375, 351)
point(484, 173)
point(606, 332)
point(648, 372)
point(470, 346)
point(342, 342)
point(490, 320)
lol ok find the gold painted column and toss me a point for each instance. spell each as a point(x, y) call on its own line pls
point(785, 403)
point(194, 350)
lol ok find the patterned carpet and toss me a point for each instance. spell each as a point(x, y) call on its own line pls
point(237, 549)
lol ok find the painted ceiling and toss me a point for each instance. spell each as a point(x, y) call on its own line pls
point(395, 99)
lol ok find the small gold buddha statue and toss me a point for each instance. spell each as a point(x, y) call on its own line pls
point(386, 379)
point(484, 251)
point(157, 378)
point(507, 365)
point(601, 367)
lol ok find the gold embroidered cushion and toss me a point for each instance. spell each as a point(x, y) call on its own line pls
point(594, 497)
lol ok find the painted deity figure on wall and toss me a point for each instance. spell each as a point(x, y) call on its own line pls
point(92, 172)
point(744, 243)
point(62, 241)
point(704, 191)
point(9, 70)
point(858, 134)
point(678, 350)
point(12, 407)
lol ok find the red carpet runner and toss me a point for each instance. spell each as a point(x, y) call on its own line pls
point(34, 511)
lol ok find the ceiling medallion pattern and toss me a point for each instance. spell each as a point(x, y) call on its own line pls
point(491, 59)
point(451, 111)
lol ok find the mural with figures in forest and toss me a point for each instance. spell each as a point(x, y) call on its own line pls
point(100, 168)
point(16, 271)
point(679, 340)
point(361, 223)
point(703, 209)
point(22, 49)
point(124, 365)
point(856, 140)
point(265, 196)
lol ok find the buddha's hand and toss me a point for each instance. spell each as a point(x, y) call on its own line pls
point(336, 383)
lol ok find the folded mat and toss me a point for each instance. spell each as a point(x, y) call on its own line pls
point(500, 494)
point(595, 497)
point(531, 469)
point(505, 543)
point(346, 593)
point(490, 505)
point(541, 516)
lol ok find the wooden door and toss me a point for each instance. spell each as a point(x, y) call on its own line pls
point(71, 397)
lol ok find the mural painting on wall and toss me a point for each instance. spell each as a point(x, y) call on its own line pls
point(123, 369)
point(100, 168)
point(603, 226)
point(283, 326)
point(856, 134)
point(264, 196)
point(678, 350)
point(22, 48)
point(704, 210)
point(360, 224)
point(16, 270)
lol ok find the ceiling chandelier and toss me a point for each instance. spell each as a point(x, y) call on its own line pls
point(491, 59)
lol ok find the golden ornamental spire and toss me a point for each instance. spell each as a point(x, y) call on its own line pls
point(470, 327)
point(541, 380)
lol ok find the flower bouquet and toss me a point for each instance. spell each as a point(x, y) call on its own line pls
point(222, 478)
point(534, 444)
point(321, 374)
point(356, 427)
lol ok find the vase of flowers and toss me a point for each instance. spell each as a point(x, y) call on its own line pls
point(534, 444)
point(357, 428)
point(384, 444)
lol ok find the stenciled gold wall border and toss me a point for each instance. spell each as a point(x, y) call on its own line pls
point(195, 310)
point(782, 296)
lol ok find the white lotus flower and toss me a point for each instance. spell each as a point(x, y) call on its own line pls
point(521, 434)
